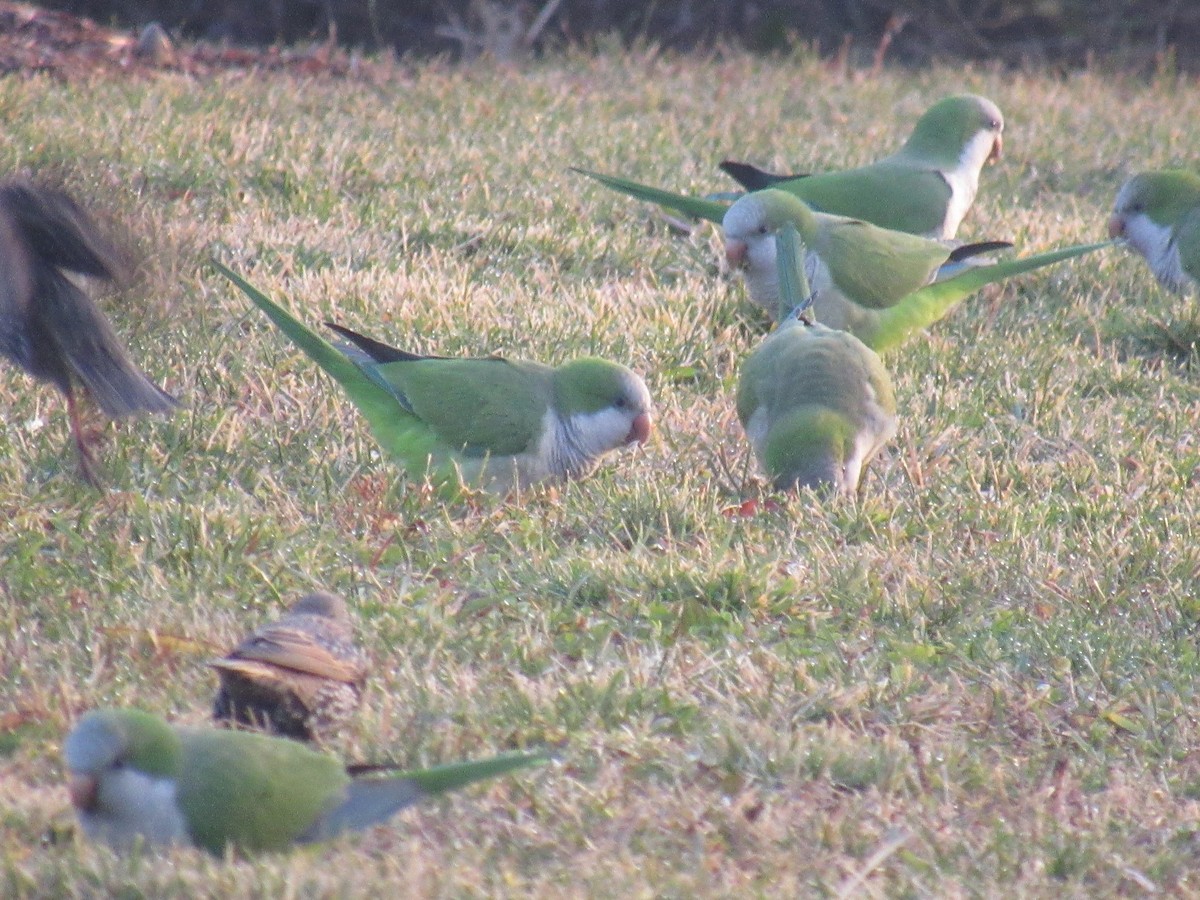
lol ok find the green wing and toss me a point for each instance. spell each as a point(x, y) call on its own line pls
point(922, 308)
point(253, 792)
point(478, 406)
point(691, 206)
point(888, 194)
point(875, 267)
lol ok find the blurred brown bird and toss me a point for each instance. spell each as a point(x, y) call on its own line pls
point(301, 676)
point(48, 325)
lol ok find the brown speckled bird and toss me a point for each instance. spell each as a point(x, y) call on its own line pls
point(301, 676)
point(49, 326)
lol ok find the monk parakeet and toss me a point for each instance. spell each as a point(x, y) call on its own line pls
point(1158, 214)
point(134, 778)
point(924, 188)
point(493, 423)
point(816, 403)
point(49, 326)
point(868, 280)
point(855, 268)
point(300, 676)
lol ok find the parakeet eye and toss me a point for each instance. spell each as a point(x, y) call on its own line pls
point(621, 403)
point(762, 229)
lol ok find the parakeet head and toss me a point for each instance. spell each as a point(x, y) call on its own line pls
point(750, 225)
point(605, 400)
point(960, 128)
point(1162, 197)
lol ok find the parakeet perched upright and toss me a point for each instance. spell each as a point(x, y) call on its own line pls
point(301, 676)
point(492, 423)
point(49, 326)
point(1158, 214)
point(926, 187)
point(134, 778)
point(816, 403)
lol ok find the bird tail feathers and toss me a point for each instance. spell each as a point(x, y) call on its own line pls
point(362, 384)
point(691, 206)
point(925, 306)
point(369, 801)
point(95, 352)
point(752, 178)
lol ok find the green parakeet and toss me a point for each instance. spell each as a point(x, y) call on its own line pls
point(49, 326)
point(926, 187)
point(300, 676)
point(855, 268)
point(867, 280)
point(817, 404)
point(491, 423)
point(134, 778)
point(1158, 215)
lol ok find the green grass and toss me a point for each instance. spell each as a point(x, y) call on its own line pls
point(979, 679)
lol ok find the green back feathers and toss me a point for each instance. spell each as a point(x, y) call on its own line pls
point(797, 362)
point(251, 791)
point(875, 267)
point(884, 193)
point(476, 406)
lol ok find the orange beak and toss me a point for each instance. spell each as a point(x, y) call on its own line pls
point(997, 149)
point(639, 430)
point(735, 253)
point(1116, 227)
point(82, 790)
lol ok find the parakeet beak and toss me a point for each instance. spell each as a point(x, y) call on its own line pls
point(1116, 227)
point(997, 149)
point(735, 253)
point(82, 790)
point(639, 430)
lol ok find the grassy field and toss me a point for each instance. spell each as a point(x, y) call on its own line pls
point(978, 680)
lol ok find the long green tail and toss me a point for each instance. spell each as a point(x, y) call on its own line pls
point(691, 206)
point(369, 800)
point(923, 307)
point(377, 405)
point(455, 775)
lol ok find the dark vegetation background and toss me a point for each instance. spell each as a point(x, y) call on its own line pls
point(1125, 33)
